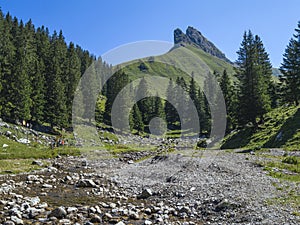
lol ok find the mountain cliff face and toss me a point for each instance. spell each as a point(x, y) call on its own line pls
point(195, 38)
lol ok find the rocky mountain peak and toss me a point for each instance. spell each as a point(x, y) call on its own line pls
point(195, 38)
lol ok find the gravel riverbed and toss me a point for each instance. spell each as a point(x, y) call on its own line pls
point(183, 187)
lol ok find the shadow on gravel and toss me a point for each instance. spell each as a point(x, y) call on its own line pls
point(159, 158)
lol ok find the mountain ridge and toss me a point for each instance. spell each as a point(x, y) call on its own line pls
point(195, 38)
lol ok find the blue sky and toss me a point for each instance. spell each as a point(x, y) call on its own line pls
point(99, 25)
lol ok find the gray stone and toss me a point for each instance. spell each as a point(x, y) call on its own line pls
point(32, 178)
point(37, 162)
point(108, 215)
point(148, 211)
point(15, 212)
point(65, 221)
point(96, 219)
point(146, 193)
point(84, 163)
point(86, 183)
point(8, 133)
point(185, 209)
point(16, 220)
point(33, 201)
point(134, 215)
point(33, 212)
point(59, 213)
point(9, 223)
point(88, 223)
point(72, 210)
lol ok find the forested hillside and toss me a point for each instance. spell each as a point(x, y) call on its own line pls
point(39, 73)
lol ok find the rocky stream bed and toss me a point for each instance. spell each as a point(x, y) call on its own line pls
point(183, 187)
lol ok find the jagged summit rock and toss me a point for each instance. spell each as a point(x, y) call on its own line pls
point(180, 37)
point(195, 38)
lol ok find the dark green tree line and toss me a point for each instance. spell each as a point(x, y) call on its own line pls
point(39, 73)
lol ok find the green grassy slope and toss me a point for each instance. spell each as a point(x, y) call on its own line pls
point(179, 62)
point(214, 63)
point(280, 130)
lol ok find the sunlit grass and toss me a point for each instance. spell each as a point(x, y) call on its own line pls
point(280, 129)
point(14, 166)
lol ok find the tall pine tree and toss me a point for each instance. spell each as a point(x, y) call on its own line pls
point(146, 105)
point(55, 78)
point(170, 111)
point(72, 77)
point(7, 57)
point(254, 74)
point(290, 68)
point(230, 100)
point(136, 120)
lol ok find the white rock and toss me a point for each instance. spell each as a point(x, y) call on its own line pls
point(47, 186)
point(147, 222)
point(16, 220)
point(72, 210)
point(121, 223)
point(24, 141)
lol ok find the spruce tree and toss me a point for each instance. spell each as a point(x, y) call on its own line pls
point(230, 100)
point(25, 56)
point(72, 77)
point(181, 95)
point(170, 110)
point(122, 105)
point(158, 107)
point(290, 68)
point(39, 84)
point(264, 71)
point(146, 104)
point(18, 87)
point(33, 66)
point(6, 65)
point(210, 92)
point(114, 85)
point(203, 112)
point(192, 90)
point(56, 76)
point(254, 75)
point(38, 93)
point(136, 120)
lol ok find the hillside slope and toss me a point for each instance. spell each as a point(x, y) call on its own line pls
point(280, 130)
point(171, 65)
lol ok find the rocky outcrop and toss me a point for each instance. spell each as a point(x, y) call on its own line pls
point(195, 38)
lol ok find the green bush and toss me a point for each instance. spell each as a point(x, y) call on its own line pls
point(291, 160)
